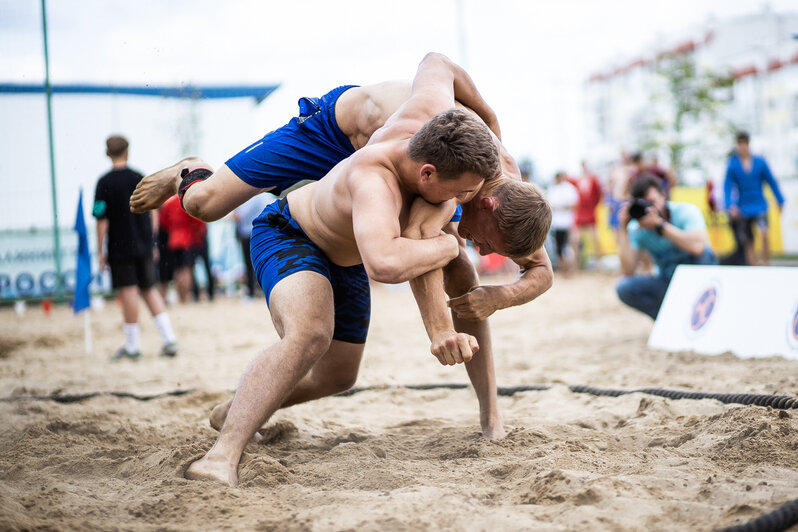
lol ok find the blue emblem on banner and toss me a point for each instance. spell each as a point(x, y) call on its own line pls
point(703, 307)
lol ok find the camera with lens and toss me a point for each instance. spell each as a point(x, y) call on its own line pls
point(638, 208)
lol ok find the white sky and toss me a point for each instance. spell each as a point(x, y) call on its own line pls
point(529, 58)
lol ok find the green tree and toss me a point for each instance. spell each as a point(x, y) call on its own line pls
point(685, 116)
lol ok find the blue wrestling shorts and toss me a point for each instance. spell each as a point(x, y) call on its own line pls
point(279, 248)
point(305, 148)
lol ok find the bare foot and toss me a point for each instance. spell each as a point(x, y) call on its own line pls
point(493, 429)
point(155, 189)
point(214, 470)
point(219, 414)
point(494, 433)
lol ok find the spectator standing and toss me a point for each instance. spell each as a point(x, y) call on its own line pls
point(617, 189)
point(185, 237)
point(746, 175)
point(588, 188)
point(129, 251)
point(563, 198)
point(165, 260)
point(672, 233)
point(202, 252)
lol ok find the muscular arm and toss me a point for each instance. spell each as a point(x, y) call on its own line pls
point(388, 256)
point(479, 303)
point(455, 340)
point(437, 83)
point(465, 92)
point(449, 346)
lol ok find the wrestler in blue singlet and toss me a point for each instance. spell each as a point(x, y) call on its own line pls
point(280, 248)
point(306, 148)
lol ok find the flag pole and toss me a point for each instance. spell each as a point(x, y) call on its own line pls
point(82, 301)
point(87, 329)
point(53, 191)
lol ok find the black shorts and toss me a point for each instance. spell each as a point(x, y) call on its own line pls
point(166, 260)
point(744, 227)
point(561, 240)
point(137, 271)
point(184, 258)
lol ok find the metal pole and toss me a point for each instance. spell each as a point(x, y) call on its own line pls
point(49, 92)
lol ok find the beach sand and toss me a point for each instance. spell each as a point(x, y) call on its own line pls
point(392, 458)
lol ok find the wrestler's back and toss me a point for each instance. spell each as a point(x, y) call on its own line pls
point(360, 111)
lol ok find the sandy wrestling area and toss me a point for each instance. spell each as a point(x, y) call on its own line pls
point(392, 458)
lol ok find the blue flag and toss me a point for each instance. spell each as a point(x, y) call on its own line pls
point(83, 269)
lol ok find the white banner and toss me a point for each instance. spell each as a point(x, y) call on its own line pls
point(789, 216)
point(749, 311)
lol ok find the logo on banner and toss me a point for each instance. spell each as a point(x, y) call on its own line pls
point(703, 308)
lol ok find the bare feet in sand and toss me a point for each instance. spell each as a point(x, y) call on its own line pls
point(155, 189)
point(219, 414)
point(214, 470)
point(494, 433)
point(493, 429)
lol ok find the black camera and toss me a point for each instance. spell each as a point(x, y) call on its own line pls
point(638, 208)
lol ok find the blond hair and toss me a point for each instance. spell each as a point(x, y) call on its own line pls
point(523, 216)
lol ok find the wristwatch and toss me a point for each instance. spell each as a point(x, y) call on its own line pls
point(660, 227)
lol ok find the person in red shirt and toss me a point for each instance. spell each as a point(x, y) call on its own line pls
point(589, 190)
point(186, 235)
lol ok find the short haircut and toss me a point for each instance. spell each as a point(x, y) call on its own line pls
point(455, 142)
point(636, 157)
point(641, 185)
point(116, 146)
point(523, 216)
point(743, 136)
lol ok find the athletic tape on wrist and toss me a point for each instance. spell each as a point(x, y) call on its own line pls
point(189, 178)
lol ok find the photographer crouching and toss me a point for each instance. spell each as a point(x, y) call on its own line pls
point(671, 232)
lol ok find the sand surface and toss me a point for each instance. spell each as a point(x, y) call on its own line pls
point(392, 458)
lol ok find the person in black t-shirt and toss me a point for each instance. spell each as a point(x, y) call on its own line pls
point(129, 251)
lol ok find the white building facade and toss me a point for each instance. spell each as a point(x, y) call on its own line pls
point(758, 53)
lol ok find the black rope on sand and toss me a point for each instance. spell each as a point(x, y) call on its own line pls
point(781, 402)
point(76, 398)
point(778, 520)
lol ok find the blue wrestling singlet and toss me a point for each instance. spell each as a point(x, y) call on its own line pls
point(279, 248)
point(306, 148)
